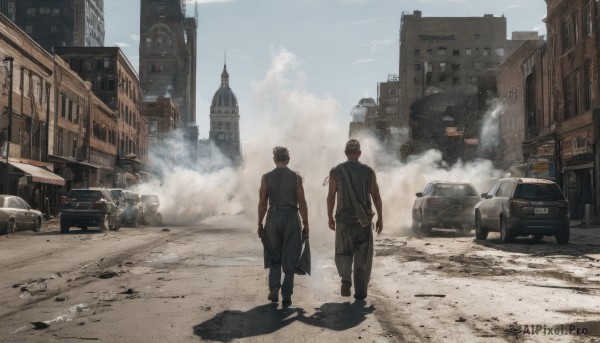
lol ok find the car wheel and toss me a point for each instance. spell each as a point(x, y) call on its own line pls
point(10, 227)
point(505, 235)
point(64, 227)
point(562, 237)
point(480, 232)
point(104, 225)
point(84, 228)
point(37, 225)
point(415, 225)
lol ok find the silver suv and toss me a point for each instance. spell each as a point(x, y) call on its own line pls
point(523, 207)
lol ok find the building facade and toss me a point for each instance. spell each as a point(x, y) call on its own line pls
point(225, 120)
point(168, 59)
point(447, 54)
point(573, 54)
point(61, 22)
point(114, 80)
point(163, 121)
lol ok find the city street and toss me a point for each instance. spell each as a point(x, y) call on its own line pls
point(206, 283)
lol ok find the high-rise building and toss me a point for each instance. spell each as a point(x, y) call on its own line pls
point(225, 120)
point(438, 54)
point(59, 23)
point(168, 58)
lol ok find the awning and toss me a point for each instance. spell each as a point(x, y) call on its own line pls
point(66, 160)
point(39, 174)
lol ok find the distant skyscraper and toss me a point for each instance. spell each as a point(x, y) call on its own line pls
point(225, 120)
point(59, 23)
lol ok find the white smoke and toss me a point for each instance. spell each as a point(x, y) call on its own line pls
point(313, 128)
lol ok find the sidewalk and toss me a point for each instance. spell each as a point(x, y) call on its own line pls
point(592, 224)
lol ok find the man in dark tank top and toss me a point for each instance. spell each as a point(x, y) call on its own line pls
point(353, 185)
point(282, 195)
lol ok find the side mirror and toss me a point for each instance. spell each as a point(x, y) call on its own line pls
point(420, 194)
point(484, 195)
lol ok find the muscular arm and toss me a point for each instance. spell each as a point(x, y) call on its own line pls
point(263, 198)
point(377, 202)
point(302, 207)
point(331, 199)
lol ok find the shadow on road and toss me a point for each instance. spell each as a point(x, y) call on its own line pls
point(338, 316)
point(232, 324)
point(266, 319)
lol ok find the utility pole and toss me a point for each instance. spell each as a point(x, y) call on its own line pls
point(9, 60)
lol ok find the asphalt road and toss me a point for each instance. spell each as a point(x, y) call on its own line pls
point(206, 283)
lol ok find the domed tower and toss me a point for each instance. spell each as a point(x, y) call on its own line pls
point(225, 120)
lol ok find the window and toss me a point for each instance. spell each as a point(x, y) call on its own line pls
point(28, 29)
point(429, 51)
point(443, 67)
point(455, 67)
point(567, 97)
point(55, 12)
point(468, 51)
point(587, 20)
point(53, 28)
point(417, 67)
point(455, 52)
point(566, 35)
point(31, 12)
point(486, 51)
point(587, 87)
point(500, 52)
point(442, 51)
point(63, 107)
point(442, 78)
point(455, 81)
point(417, 52)
point(477, 65)
point(574, 29)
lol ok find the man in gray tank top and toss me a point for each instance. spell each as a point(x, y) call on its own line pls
point(282, 194)
point(353, 185)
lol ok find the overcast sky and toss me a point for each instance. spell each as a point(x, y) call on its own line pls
point(341, 48)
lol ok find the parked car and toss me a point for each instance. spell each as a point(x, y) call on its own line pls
point(523, 207)
point(150, 204)
point(17, 215)
point(133, 211)
point(444, 204)
point(94, 207)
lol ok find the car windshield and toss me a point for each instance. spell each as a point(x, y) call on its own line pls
point(116, 194)
point(543, 191)
point(453, 190)
point(85, 195)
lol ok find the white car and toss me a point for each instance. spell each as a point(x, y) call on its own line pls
point(17, 215)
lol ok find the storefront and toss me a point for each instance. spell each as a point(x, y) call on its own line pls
point(578, 172)
point(36, 185)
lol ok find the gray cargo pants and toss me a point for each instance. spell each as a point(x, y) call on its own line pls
point(354, 243)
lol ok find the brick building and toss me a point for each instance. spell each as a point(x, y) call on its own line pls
point(573, 61)
point(116, 83)
point(521, 83)
point(163, 121)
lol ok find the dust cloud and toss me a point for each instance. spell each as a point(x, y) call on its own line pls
point(315, 130)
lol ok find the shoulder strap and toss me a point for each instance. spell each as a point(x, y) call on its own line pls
point(363, 219)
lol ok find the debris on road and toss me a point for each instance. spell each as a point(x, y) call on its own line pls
point(107, 275)
point(40, 325)
point(430, 295)
point(60, 299)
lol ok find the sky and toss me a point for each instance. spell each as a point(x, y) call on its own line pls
point(341, 48)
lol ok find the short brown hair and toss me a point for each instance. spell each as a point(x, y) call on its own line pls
point(352, 147)
point(281, 154)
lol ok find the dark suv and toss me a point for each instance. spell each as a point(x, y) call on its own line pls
point(523, 207)
point(89, 207)
point(444, 204)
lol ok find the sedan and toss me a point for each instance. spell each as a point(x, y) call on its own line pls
point(444, 204)
point(17, 215)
